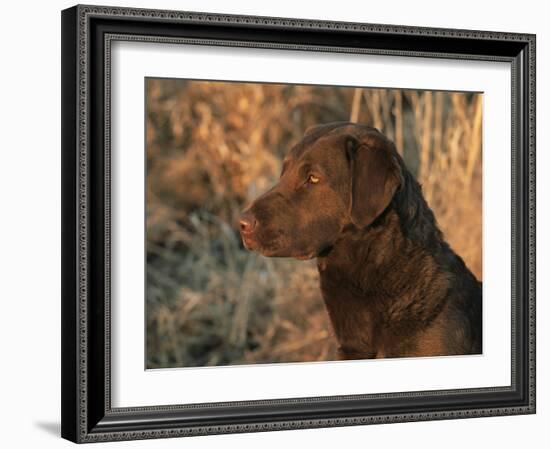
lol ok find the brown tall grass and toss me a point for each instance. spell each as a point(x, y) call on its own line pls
point(212, 147)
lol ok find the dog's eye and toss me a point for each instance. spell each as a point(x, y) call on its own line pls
point(312, 179)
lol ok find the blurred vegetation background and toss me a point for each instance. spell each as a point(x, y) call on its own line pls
point(212, 147)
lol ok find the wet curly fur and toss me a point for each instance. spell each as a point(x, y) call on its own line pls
point(391, 284)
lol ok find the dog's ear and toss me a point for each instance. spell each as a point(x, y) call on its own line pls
point(375, 177)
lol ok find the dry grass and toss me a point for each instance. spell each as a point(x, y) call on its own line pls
point(212, 147)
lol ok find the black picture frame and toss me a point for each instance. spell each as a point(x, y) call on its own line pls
point(87, 32)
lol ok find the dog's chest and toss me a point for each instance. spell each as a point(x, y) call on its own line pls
point(353, 319)
point(360, 320)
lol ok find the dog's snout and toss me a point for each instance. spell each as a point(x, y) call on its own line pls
point(247, 223)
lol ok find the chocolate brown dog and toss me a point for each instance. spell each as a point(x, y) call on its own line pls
point(391, 284)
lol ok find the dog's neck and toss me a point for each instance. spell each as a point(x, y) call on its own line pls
point(368, 298)
point(359, 252)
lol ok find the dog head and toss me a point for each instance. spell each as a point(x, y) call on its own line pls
point(339, 174)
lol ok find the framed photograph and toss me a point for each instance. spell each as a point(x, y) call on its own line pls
point(275, 224)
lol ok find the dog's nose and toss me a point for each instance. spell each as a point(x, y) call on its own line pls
point(247, 223)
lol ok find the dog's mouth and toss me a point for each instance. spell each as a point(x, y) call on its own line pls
point(272, 250)
point(252, 244)
point(249, 243)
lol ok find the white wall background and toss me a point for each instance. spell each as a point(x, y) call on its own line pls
point(30, 222)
